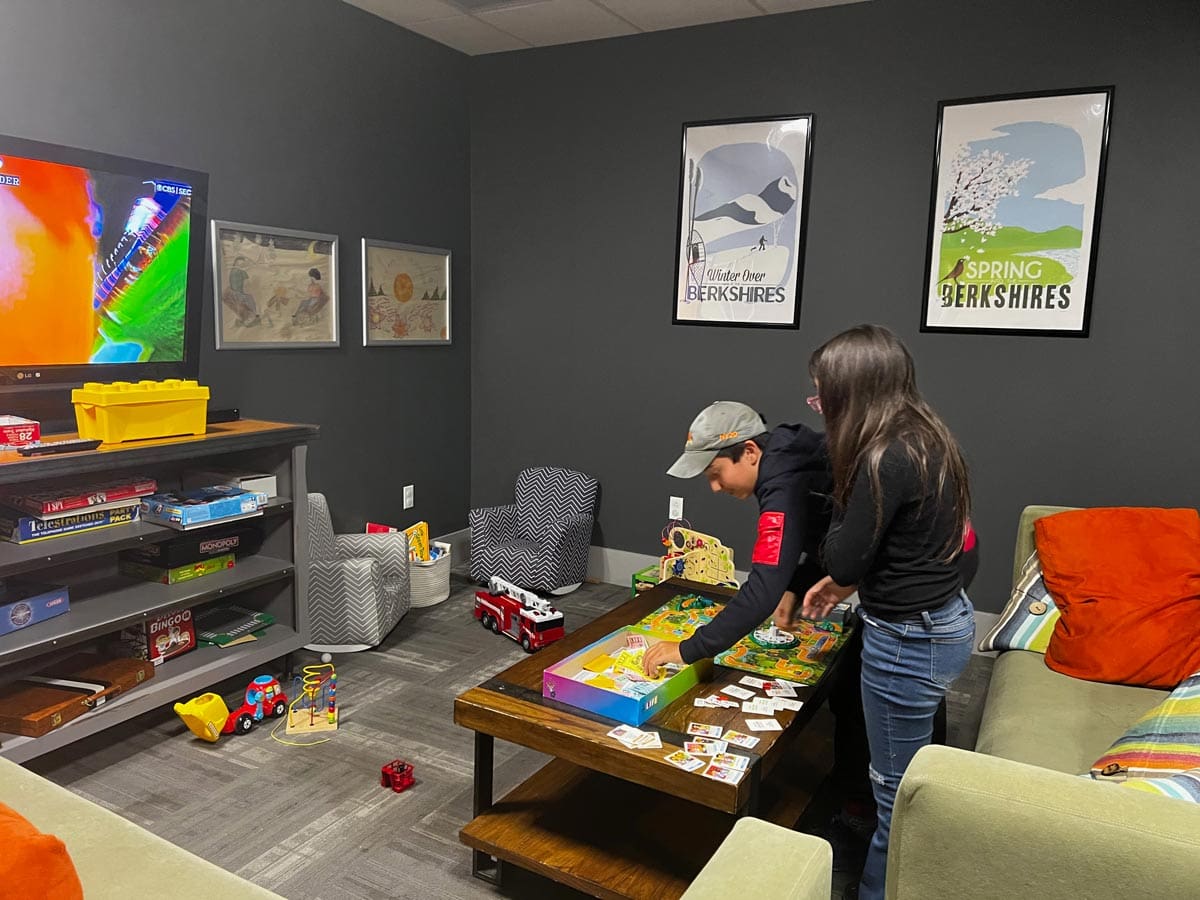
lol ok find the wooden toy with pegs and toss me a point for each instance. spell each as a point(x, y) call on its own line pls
point(315, 707)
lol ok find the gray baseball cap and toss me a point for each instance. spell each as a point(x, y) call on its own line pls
point(720, 425)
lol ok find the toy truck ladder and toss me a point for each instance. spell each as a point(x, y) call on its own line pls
point(528, 599)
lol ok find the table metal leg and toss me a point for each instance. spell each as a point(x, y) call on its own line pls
point(483, 865)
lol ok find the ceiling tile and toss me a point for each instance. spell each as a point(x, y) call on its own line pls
point(557, 22)
point(468, 35)
point(654, 15)
point(781, 6)
point(406, 12)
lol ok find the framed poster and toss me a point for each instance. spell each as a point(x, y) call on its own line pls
point(274, 287)
point(1015, 213)
point(406, 294)
point(743, 202)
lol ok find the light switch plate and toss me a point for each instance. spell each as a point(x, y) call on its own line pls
point(676, 508)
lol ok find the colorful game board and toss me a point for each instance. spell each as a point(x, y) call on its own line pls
point(803, 663)
point(680, 616)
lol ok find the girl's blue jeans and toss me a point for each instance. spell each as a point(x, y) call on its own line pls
point(907, 667)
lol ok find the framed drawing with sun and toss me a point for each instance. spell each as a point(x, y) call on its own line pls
point(406, 294)
point(274, 287)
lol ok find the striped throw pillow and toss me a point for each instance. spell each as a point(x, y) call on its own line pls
point(1165, 741)
point(1184, 786)
point(1028, 619)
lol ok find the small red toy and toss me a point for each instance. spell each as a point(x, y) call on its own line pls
point(524, 616)
point(398, 775)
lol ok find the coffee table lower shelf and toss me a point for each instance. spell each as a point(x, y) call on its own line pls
point(614, 839)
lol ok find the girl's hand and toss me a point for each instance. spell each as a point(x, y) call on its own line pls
point(824, 596)
point(659, 655)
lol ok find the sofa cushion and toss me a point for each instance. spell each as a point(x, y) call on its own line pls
point(34, 864)
point(1127, 582)
point(1037, 716)
point(1164, 741)
point(1027, 621)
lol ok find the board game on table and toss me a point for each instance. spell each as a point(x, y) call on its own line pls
point(616, 850)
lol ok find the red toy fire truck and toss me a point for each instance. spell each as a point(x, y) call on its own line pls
point(524, 616)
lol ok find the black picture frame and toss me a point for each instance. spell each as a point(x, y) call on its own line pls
point(757, 165)
point(1016, 286)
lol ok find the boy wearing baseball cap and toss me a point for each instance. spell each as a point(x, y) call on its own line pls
point(786, 469)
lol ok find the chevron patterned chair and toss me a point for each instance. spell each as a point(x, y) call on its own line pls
point(541, 541)
point(358, 588)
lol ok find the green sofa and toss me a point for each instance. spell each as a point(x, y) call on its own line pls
point(115, 859)
point(1015, 820)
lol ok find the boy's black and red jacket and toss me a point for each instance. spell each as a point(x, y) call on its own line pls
point(794, 508)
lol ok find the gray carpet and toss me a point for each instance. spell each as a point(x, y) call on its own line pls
point(313, 822)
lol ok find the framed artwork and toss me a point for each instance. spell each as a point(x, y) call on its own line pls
point(406, 294)
point(743, 203)
point(1015, 213)
point(274, 287)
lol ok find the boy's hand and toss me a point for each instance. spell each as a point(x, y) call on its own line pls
point(785, 612)
point(659, 655)
point(824, 596)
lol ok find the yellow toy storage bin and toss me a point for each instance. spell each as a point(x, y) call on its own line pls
point(124, 411)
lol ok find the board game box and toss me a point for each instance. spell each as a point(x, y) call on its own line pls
point(186, 509)
point(803, 662)
point(239, 538)
point(22, 529)
point(50, 501)
point(24, 603)
point(605, 677)
point(178, 574)
point(160, 638)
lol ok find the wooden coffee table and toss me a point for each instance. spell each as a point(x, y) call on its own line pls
point(615, 822)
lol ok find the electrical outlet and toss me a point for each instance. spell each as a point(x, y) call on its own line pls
point(408, 496)
point(676, 508)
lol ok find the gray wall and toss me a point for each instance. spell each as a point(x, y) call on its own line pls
point(306, 114)
point(575, 167)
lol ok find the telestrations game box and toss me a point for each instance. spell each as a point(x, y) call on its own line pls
point(578, 680)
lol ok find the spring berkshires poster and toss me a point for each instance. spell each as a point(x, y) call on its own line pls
point(741, 229)
point(1015, 213)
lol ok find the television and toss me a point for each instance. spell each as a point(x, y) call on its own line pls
point(101, 272)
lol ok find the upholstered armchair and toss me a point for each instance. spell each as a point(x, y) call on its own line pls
point(541, 541)
point(358, 587)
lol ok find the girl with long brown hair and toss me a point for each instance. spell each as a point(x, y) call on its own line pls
point(902, 501)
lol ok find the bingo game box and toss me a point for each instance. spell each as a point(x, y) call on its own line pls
point(595, 679)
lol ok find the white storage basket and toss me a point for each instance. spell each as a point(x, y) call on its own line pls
point(429, 582)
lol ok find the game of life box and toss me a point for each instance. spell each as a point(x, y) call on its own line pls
point(604, 677)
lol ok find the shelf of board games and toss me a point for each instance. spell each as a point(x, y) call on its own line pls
point(103, 601)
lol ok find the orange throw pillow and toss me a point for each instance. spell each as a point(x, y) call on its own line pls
point(34, 866)
point(1127, 582)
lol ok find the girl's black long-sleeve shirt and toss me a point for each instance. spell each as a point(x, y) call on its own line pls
point(899, 564)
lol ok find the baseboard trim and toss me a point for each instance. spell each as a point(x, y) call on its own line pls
point(460, 546)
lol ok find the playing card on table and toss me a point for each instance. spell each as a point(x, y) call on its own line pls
point(742, 740)
point(705, 703)
point(721, 773)
point(685, 761)
point(712, 731)
point(624, 733)
point(753, 682)
point(780, 689)
point(705, 746)
point(734, 691)
point(760, 706)
point(648, 741)
point(731, 761)
point(716, 701)
point(763, 725)
point(785, 703)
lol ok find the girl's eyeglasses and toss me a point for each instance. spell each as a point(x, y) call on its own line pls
point(814, 403)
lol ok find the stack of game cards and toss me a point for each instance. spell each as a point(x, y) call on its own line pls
point(635, 738)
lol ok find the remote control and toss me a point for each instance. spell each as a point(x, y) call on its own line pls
point(73, 445)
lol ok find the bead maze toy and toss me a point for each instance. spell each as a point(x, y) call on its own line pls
point(696, 557)
point(315, 708)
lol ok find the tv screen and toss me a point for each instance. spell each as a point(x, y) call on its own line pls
point(100, 265)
